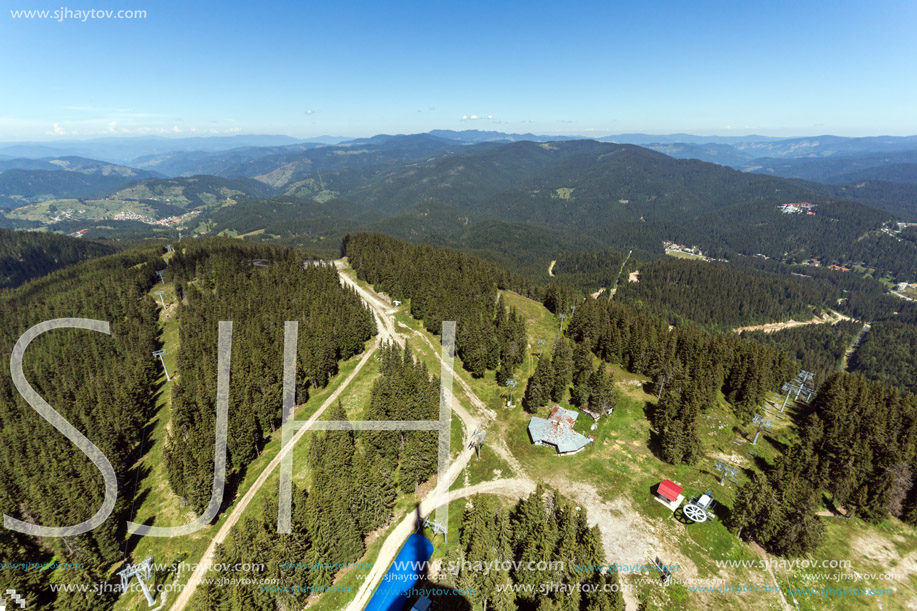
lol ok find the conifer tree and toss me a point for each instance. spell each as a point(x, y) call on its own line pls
point(562, 361)
point(538, 389)
point(602, 393)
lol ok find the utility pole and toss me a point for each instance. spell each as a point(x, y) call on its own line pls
point(511, 383)
point(161, 300)
point(159, 353)
point(762, 423)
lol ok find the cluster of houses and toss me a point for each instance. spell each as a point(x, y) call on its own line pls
point(174, 220)
point(798, 208)
point(687, 250)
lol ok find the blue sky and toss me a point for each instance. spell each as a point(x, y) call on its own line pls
point(360, 68)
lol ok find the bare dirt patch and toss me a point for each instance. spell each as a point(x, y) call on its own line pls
point(831, 318)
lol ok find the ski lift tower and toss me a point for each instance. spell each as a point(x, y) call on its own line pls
point(160, 273)
point(169, 248)
point(511, 383)
point(159, 353)
point(541, 344)
point(698, 509)
point(762, 423)
point(803, 385)
point(726, 468)
point(438, 528)
point(477, 440)
point(561, 328)
point(143, 572)
point(161, 300)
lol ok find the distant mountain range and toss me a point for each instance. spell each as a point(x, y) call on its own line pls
point(522, 201)
point(124, 150)
point(26, 181)
point(512, 198)
point(281, 160)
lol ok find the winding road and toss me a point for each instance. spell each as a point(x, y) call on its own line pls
point(612, 523)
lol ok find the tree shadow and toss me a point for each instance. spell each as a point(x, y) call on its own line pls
point(131, 541)
point(654, 444)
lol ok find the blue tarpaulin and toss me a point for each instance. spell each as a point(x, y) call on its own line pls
point(405, 572)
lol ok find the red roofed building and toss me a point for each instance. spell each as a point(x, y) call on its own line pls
point(669, 490)
point(669, 494)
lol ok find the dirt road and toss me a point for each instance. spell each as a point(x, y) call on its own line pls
point(831, 318)
point(239, 508)
point(386, 331)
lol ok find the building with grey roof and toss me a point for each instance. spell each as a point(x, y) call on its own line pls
point(557, 431)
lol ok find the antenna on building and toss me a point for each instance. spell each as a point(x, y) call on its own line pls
point(159, 353)
point(143, 572)
point(161, 300)
point(511, 383)
point(762, 423)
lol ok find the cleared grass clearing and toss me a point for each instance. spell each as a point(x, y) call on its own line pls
point(623, 469)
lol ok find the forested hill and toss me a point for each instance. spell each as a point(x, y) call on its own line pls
point(448, 285)
point(27, 255)
point(21, 187)
point(857, 444)
point(217, 281)
point(526, 201)
point(107, 387)
point(103, 385)
point(194, 191)
point(573, 183)
point(719, 294)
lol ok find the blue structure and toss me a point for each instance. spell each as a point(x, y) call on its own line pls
point(403, 575)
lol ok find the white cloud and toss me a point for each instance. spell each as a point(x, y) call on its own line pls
point(113, 126)
point(310, 111)
point(57, 130)
point(476, 118)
